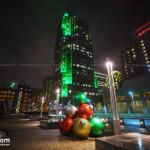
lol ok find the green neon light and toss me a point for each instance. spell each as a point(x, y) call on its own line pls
point(66, 70)
point(64, 90)
point(66, 24)
point(67, 78)
point(63, 62)
point(66, 56)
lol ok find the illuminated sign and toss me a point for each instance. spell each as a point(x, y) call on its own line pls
point(143, 32)
point(143, 29)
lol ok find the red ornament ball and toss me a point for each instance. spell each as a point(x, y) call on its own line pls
point(85, 111)
point(66, 126)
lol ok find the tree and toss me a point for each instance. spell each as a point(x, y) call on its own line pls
point(117, 80)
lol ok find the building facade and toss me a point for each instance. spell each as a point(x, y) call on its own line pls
point(7, 99)
point(138, 102)
point(101, 79)
point(135, 56)
point(36, 100)
point(28, 99)
point(73, 59)
point(47, 91)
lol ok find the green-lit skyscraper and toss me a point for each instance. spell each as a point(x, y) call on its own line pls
point(73, 59)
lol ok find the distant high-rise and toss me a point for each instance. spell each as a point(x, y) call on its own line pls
point(73, 59)
point(101, 77)
point(135, 56)
point(47, 88)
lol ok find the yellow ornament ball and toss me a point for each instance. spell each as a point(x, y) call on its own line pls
point(81, 128)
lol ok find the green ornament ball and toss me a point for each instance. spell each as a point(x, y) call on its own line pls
point(81, 98)
point(97, 126)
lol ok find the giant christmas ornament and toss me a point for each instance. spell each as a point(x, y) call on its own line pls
point(85, 111)
point(66, 126)
point(70, 110)
point(97, 126)
point(81, 128)
point(81, 98)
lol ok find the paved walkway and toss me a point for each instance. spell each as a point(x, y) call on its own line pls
point(27, 135)
point(130, 141)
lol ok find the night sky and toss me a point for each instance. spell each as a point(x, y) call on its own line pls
point(28, 32)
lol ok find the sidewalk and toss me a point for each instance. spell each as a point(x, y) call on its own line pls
point(129, 141)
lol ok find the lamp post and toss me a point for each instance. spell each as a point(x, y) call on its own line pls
point(133, 100)
point(42, 101)
point(116, 120)
point(57, 102)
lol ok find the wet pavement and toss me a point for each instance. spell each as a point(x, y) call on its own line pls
point(129, 141)
point(25, 134)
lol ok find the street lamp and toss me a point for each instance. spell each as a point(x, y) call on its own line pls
point(42, 101)
point(133, 100)
point(57, 101)
point(116, 120)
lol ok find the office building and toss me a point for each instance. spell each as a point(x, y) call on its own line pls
point(73, 59)
point(135, 56)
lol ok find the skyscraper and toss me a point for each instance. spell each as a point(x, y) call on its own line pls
point(142, 36)
point(135, 56)
point(73, 59)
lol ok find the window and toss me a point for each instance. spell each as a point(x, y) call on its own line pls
point(141, 41)
point(134, 56)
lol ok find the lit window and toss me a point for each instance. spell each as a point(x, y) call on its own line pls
point(141, 41)
point(134, 56)
point(127, 52)
point(143, 47)
point(146, 58)
point(132, 49)
point(147, 62)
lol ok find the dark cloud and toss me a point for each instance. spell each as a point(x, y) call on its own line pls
point(28, 30)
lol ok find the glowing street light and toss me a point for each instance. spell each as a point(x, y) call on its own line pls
point(116, 120)
point(42, 102)
point(133, 100)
